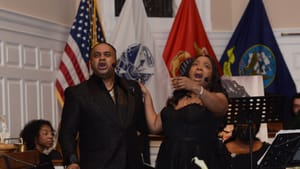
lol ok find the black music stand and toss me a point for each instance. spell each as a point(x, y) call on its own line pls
point(283, 152)
point(253, 110)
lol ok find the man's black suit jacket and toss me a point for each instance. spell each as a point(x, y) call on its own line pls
point(106, 141)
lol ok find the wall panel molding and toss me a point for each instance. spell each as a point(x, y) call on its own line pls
point(14, 103)
point(30, 57)
point(31, 99)
point(28, 47)
point(33, 26)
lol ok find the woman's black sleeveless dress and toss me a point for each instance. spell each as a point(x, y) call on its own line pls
point(190, 132)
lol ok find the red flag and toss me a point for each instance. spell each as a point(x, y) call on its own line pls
point(187, 38)
point(86, 31)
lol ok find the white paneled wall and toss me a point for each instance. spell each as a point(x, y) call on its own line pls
point(31, 49)
point(290, 49)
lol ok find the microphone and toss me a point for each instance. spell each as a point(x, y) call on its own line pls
point(207, 82)
point(206, 79)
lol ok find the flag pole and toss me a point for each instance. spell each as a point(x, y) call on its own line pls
point(94, 39)
point(94, 21)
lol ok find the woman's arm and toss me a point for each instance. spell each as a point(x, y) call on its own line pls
point(216, 102)
point(153, 118)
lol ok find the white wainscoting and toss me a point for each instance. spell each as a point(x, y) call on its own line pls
point(31, 49)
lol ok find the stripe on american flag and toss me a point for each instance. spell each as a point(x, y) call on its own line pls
point(73, 67)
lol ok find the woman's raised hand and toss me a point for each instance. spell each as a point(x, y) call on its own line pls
point(183, 82)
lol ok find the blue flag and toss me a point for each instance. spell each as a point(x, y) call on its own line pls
point(253, 50)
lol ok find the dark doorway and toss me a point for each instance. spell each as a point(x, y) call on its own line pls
point(154, 8)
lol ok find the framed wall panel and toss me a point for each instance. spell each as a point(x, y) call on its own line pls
point(31, 100)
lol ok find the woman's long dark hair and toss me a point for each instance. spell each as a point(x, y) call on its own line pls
point(214, 84)
point(242, 133)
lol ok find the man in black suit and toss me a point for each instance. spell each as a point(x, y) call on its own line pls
point(106, 111)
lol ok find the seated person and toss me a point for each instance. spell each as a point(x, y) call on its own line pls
point(295, 121)
point(39, 135)
point(226, 132)
point(238, 145)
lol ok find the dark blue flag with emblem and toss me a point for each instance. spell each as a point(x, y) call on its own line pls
point(253, 50)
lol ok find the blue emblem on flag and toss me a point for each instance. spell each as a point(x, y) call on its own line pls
point(259, 60)
point(136, 63)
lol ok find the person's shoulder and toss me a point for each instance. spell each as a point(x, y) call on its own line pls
point(128, 81)
point(236, 147)
point(55, 155)
point(168, 108)
point(77, 87)
point(265, 145)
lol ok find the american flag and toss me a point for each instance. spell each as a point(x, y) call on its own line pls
point(86, 31)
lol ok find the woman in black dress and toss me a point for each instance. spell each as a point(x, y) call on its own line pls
point(191, 118)
point(238, 145)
